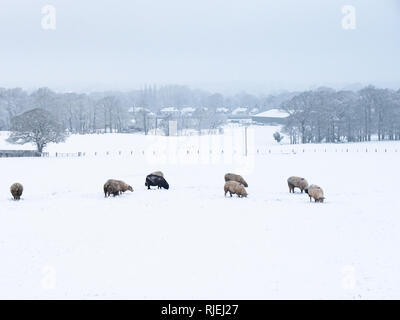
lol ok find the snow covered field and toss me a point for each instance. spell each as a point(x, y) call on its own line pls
point(65, 240)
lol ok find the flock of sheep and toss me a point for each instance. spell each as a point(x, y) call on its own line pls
point(234, 184)
point(116, 187)
point(314, 192)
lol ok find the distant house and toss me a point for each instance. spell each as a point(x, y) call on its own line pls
point(169, 110)
point(188, 111)
point(254, 111)
point(240, 111)
point(273, 116)
point(222, 110)
point(168, 113)
point(138, 109)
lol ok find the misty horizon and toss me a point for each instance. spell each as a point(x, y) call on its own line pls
point(260, 47)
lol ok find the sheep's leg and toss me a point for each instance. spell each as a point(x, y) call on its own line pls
point(310, 199)
point(230, 193)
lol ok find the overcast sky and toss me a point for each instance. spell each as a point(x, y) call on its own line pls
point(225, 45)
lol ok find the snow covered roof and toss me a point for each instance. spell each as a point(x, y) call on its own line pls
point(188, 110)
point(239, 110)
point(222, 110)
point(169, 109)
point(273, 113)
point(137, 109)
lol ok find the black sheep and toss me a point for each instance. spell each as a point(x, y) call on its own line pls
point(156, 181)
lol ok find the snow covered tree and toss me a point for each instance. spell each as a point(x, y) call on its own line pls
point(36, 126)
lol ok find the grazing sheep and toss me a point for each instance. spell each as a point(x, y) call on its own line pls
point(235, 177)
point(234, 187)
point(112, 187)
point(116, 187)
point(16, 190)
point(158, 173)
point(297, 182)
point(315, 192)
point(156, 181)
point(124, 187)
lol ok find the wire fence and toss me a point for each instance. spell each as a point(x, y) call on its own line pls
point(194, 152)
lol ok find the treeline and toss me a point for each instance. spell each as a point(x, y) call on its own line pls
point(321, 115)
point(110, 111)
point(326, 115)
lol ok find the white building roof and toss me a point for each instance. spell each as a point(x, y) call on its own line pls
point(273, 113)
point(239, 111)
point(222, 110)
point(169, 109)
point(137, 109)
point(188, 110)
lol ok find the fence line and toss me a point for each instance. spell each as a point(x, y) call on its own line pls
point(191, 152)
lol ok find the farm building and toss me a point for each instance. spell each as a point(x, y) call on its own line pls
point(273, 116)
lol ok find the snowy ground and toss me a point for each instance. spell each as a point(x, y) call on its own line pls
point(65, 240)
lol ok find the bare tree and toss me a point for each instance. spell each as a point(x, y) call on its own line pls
point(36, 126)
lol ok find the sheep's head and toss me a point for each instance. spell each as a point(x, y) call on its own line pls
point(130, 188)
point(165, 184)
point(306, 190)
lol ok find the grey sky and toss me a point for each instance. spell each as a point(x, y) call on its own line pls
point(227, 45)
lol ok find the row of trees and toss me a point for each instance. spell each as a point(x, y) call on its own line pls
point(109, 111)
point(326, 115)
point(322, 115)
point(76, 113)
